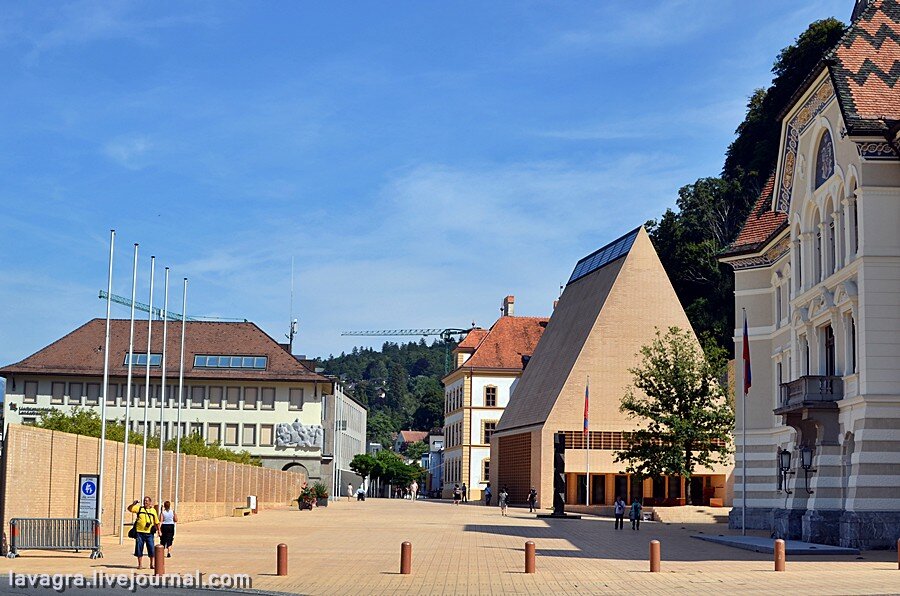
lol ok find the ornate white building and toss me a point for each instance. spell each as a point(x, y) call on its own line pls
point(817, 269)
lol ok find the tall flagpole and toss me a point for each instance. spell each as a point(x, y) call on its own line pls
point(746, 357)
point(162, 391)
point(128, 396)
point(101, 464)
point(587, 441)
point(147, 382)
point(180, 396)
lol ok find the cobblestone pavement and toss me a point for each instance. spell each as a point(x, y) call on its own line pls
point(354, 548)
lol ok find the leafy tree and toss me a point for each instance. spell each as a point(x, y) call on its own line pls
point(415, 451)
point(686, 419)
point(364, 465)
point(379, 427)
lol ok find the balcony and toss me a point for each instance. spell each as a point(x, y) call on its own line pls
point(810, 392)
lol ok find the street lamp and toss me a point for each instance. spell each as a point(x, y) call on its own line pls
point(806, 459)
point(784, 468)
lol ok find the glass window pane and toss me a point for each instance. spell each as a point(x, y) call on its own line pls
point(199, 360)
point(247, 362)
point(260, 362)
point(235, 362)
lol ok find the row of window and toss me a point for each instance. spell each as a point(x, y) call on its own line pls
point(454, 433)
point(195, 396)
point(827, 248)
point(453, 471)
point(454, 398)
point(203, 361)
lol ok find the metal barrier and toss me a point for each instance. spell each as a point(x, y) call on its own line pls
point(38, 533)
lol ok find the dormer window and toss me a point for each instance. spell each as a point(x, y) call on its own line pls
point(206, 361)
point(141, 359)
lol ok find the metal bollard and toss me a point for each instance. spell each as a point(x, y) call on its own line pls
point(779, 555)
point(654, 556)
point(281, 559)
point(405, 558)
point(529, 557)
point(159, 560)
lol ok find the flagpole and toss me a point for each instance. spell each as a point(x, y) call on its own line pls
point(587, 443)
point(162, 391)
point(746, 351)
point(128, 397)
point(101, 465)
point(180, 395)
point(147, 382)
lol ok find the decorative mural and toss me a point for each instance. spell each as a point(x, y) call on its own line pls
point(775, 252)
point(296, 434)
point(824, 159)
point(875, 151)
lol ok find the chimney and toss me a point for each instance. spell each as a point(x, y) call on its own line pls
point(555, 302)
point(509, 306)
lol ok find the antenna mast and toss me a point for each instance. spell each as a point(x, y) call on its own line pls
point(293, 327)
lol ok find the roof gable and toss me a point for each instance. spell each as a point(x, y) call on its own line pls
point(506, 342)
point(762, 223)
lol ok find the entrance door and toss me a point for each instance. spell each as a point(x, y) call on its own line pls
point(598, 490)
point(621, 485)
point(582, 489)
point(829, 351)
point(696, 490)
point(637, 489)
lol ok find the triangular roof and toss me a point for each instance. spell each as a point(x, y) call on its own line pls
point(471, 340)
point(762, 223)
point(81, 351)
point(506, 342)
point(608, 310)
point(413, 436)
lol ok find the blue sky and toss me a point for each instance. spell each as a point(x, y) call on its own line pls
point(418, 160)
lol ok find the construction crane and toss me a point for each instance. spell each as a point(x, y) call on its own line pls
point(446, 336)
point(158, 312)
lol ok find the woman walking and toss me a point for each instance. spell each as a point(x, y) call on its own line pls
point(635, 514)
point(503, 499)
point(167, 527)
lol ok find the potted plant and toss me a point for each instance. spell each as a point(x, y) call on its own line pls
point(306, 499)
point(321, 493)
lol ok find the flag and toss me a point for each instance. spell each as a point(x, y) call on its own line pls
point(746, 357)
point(586, 402)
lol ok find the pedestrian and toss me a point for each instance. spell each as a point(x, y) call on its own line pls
point(487, 494)
point(456, 494)
point(349, 491)
point(465, 493)
point(532, 500)
point(503, 499)
point(635, 514)
point(360, 493)
point(619, 510)
point(167, 527)
point(145, 527)
point(414, 490)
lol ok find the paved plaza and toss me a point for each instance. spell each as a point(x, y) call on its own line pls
point(353, 548)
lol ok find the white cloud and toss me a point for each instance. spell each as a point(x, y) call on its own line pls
point(130, 152)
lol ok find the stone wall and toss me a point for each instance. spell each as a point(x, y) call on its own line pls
point(41, 467)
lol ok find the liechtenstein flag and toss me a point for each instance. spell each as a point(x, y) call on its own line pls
point(587, 388)
point(746, 357)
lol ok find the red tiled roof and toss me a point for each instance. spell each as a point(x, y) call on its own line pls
point(413, 436)
point(761, 224)
point(865, 68)
point(508, 340)
point(471, 341)
point(81, 352)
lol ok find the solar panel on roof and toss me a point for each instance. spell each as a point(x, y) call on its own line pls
point(603, 256)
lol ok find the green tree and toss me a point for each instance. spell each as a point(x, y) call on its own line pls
point(686, 419)
point(380, 427)
point(364, 465)
point(415, 451)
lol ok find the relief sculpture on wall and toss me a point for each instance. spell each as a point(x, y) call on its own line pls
point(296, 434)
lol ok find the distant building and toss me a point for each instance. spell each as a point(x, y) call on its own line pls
point(817, 268)
point(612, 305)
point(241, 388)
point(405, 437)
point(433, 461)
point(345, 438)
point(488, 366)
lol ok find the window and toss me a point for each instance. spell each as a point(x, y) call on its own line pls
point(214, 434)
point(268, 398)
point(76, 391)
point(93, 394)
point(818, 274)
point(56, 392)
point(29, 420)
point(832, 246)
point(197, 428)
point(249, 436)
point(490, 397)
point(824, 159)
point(266, 435)
point(215, 398)
point(112, 393)
point(295, 400)
point(487, 429)
point(141, 360)
point(486, 469)
point(852, 362)
point(30, 395)
point(250, 398)
point(198, 394)
point(778, 314)
point(233, 398)
point(231, 434)
point(203, 361)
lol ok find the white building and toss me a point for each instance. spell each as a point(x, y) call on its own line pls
point(345, 437)
point(488, 365)
point(241, 388)
point(817, 268)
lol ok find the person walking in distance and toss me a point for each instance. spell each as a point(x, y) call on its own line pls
point(635, 514)
point(532, 499)
point(503, 499)
point(465, 493)
point(456, 494)
point(349, 491)
point(413, 490)
point(145, 528)
point(619, 510)
point(167, 527)
point(487, 494)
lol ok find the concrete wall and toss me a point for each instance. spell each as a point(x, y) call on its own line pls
point(42, 467)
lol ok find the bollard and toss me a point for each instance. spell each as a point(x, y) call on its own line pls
point(159, 560)
point(779, 555)
point(529, 557)
point(281, 559)
point(405, 558)
point(654, 556)
point(898, 553)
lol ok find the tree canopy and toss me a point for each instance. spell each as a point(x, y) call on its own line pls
point(685, 417)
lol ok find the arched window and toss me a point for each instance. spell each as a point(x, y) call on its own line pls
point(817, 249)
point(824, 159)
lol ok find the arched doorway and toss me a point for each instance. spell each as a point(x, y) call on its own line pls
point(297, 468)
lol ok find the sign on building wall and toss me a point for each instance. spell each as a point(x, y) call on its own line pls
point(87, 496)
